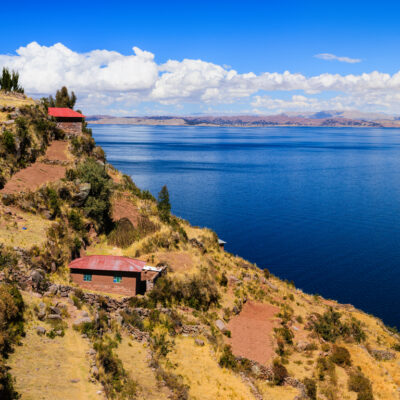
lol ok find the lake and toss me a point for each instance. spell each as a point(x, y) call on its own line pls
point(319, 206)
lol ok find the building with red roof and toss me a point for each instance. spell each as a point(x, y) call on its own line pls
point(114, 274)
point(68, 120)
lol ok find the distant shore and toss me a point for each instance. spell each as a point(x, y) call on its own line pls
point(247, 121)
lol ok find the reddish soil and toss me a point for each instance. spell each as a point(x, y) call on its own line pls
point(251, 332)
point(123, 208)
point(57, 151)
point(34, 176)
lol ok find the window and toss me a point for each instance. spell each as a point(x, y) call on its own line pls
point(117, 278)
point(87, 277)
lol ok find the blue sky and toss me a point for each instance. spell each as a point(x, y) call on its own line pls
point(248, 37)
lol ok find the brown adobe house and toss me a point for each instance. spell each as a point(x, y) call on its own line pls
point(114, 274)
point(68, 120)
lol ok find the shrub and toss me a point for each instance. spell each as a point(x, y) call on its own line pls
point(227, 359)
point(285, 333)
point(75, 220)
point(8, 141)
point(196, 291)
point(329, 326)
point(266, 273)
point(279, 373)
point(123, 235)
point(340, 356)
point(97, 205)
point(311, 388)
point(224, 280)
point(360, 384)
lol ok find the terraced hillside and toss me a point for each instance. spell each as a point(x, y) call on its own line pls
point(214, 327)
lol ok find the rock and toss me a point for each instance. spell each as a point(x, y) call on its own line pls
point(41, 315)
point(235, 310)
point(85, 314)
point(54, 316)
point(37, 277)
point(271, 286)
point(42, 306)
point(199, 342)
point(81, 196)
point(95, 371)
point(220, 325)
point(59, 332)
point(40, 330)
point(92, 352)
point(383, 355)
point(55, 310)
point(74, 380)
point(81, 321)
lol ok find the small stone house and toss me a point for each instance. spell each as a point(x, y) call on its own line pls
point(68, 120)
point(114, 274)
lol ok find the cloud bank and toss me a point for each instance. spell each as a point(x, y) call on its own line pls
point(333, 57)
point(107, 81)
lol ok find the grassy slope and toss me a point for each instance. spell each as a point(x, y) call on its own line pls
point(46, 366)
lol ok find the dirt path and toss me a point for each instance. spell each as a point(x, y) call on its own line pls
point(34, 176)
point(57, 151)
point(252, 332)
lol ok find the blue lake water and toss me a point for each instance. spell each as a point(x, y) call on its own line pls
point(319, 206)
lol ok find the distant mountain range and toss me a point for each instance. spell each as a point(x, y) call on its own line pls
point(321, 118)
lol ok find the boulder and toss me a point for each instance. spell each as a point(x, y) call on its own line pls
point(95, 371)
point(37, 276)
point(220, 325)
point(83, 193)
point(55, 310)
point(199, 342)
point(40, 330)
point(81, 321)
point(41, 315)
point(54, 316)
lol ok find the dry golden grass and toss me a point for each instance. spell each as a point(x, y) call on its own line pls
point(277, 392)
point(52, 369)
point(13, 234)
point(11, 100)
point(134, 356)
point(200, 370)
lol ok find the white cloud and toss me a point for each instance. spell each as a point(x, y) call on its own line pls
point(333, 57)
point(107, 80)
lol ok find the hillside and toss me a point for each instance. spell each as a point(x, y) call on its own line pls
point(214, 327)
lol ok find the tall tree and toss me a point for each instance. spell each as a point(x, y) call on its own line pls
point(9, 81)
point(63, 98)
point(163, 204)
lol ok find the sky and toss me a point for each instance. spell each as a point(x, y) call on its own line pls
point(209, 57)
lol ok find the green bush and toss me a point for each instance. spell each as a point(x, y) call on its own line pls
point(97, 205)
point(266, 273)
point(340, 356)
point(197, 291)
point(227, 359)
point(360, 384)
point(8, 141)
point(123, 235)
point(279, 372)
point(75, 220)
point(311, 388)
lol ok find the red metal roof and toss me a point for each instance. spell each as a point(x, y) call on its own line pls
point(64, 113)
point(108, 263)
